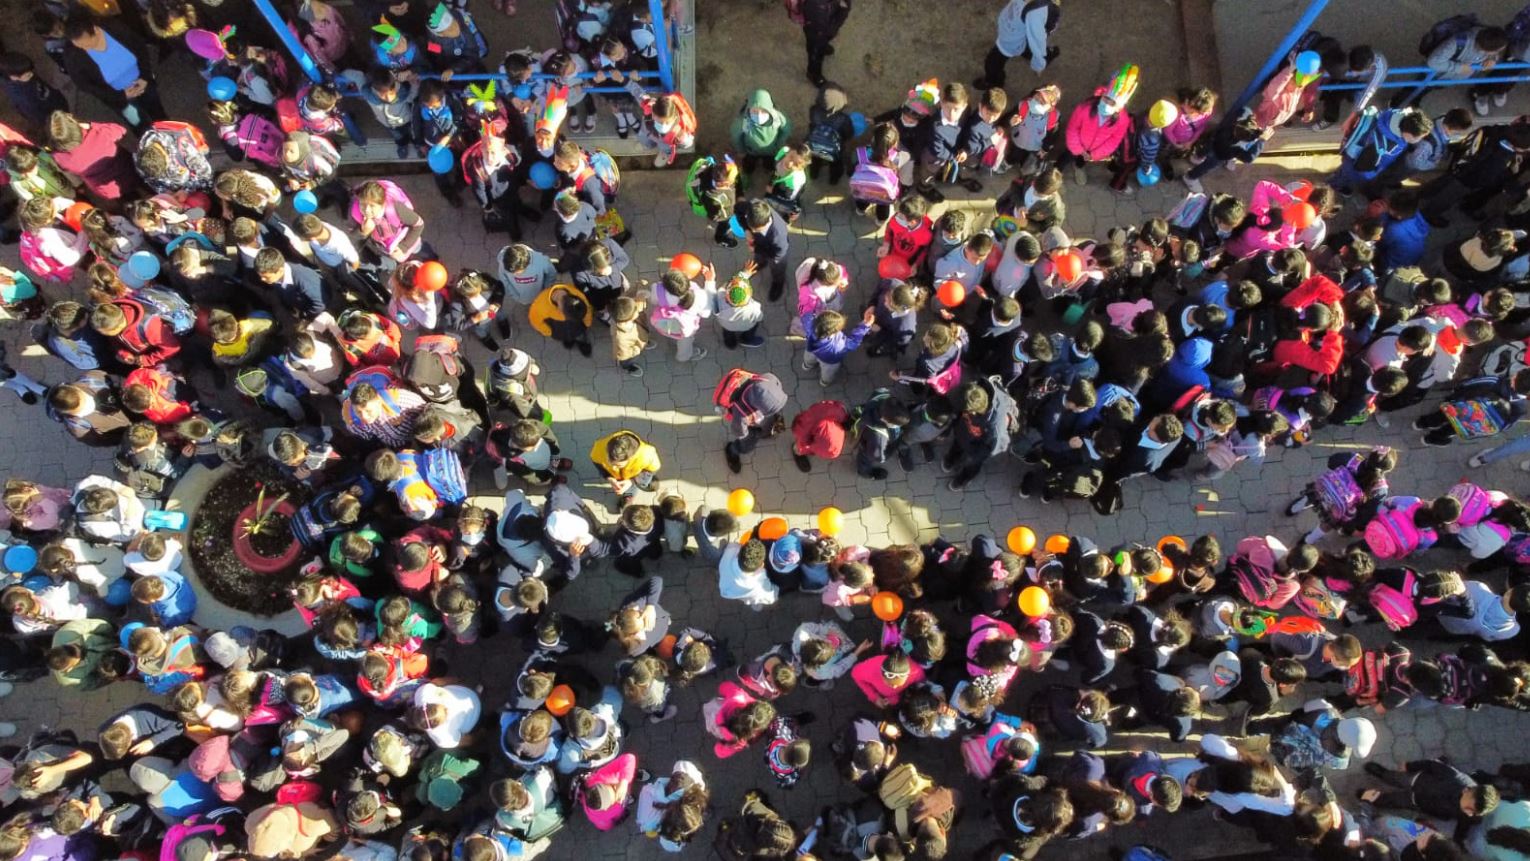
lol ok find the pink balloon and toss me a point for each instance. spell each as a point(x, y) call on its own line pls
point(205, 44)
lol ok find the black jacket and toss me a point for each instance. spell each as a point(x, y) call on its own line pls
point(1153, 690)
point(87, 75)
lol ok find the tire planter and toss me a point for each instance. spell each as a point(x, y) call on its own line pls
point(247, 574)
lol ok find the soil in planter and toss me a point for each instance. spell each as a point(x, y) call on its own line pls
point(212, 547)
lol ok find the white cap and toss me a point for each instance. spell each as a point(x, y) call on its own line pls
point(566, 527)
point(1358, 734)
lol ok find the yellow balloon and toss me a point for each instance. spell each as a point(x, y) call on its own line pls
point(1021, 540)
point(740, 502)
point(830, 521)
point(1034, 601)
point(1058, 543)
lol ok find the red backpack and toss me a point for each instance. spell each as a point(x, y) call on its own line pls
point(728, 388)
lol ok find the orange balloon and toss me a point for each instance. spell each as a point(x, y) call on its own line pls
point(560, 699)
point(894, 268)
point(1069, 264)
point(1057, 543)
point(951, 293)
point(75, 213)
point(1034, 601)
point(666, 647)
point(1301, 189)
point(887, 606)
point(1164, 574)
point(430, 277)
point(688, 263)
point(1021, 540)
point(830, 521)
point(1170, 541)
point(1299, 214)
point(771, 528)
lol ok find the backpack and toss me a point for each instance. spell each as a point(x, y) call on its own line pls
point(568, 14)
point(1338, 493)
point(299, 792)
point(1362, 145)
point(1457, 676)
point(1505, 360)
point(1144, 852)
point(675, 322)
point(1395, 606)
point(824, 142)
point(873, 183)
point(794, 12)
point(693, 193)
point(1476, 503)
point(903, 786)
point(1253, 566)
point(606, 171)
point(948, 379)
point(1371, 676)
point(288, 116)
point(1188, 212)
point(1391, 534)
point(170, 305)
point(1454, 27)
point(1317, 600)
point(435, 367)
point(1473, 418)
point(442, 470)
point(728, 387)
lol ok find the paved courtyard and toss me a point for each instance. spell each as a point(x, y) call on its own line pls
point(671, 407)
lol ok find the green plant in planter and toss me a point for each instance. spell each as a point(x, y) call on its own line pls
point(265, 520)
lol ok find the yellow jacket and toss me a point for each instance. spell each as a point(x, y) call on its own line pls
point(646, 459)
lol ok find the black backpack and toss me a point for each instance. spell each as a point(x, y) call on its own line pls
point(1453, 27)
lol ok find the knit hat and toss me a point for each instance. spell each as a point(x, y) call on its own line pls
point(223, 649)
point(554, 111)
point(739, 291)
point(786, 553)
point(1358, 734)
point(514, 361)
point(440, 20)
point(443, 793)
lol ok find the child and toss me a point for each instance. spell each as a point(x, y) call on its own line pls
point(34, 174)
point(246, 136)
point(982, 144)
point(601, 276)
point(437, 123)
point(878, 424)
point(828, 344)
point(950, 234)
point(939, 160)
point(759, 132)
point(628, 337)
point(1033, 130)
point(786, 755)
point(512, 384)
point(1192, 119)
point(1149, 145)
point(712, 188)
point(472, 307)
point(713, 531)
point(670, 126)
point(309, 163)
point(852, 586)
point(526, 449)
point(393, 104)
point(564, 314)
point(742, 575)
point(576, 220)
point(821, 286)
point(788, 181)
point(896, 308)
point(676, 524)
point(627, 461)
point(738, 313)
point(32, 97)
point(525, 273)
point(830, 131)
point(908, 236)
point(318, 107)
point(928, 423)
point(338, 258)
point(1099, 129)
point(966, 265)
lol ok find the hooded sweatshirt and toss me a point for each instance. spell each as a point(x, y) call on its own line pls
point(1186, 370)
point(756, 139)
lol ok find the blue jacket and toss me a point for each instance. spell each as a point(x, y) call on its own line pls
point(1374, 145)
point(1186, 370)
point(179, 603)
point(833, 349)
point(1402, 242)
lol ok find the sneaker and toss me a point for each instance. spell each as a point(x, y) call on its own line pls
point(634, 371)
point(807, 367)
point(931, 193)
point(1500, 99)
point(878, 474)
point(669, 713)
point(1433, 441)
point(1194, 185)
point(802, 462)
point(752, 342)
point(1298, 505)
point(660, 160)
point(29, 398)
point(1480, 105)
point(403, 151)
point(906, 460)
point(563, 464)
point(1383, 420)
point(643, 775)
point(1079, 177)
point(729, 241)
point(701, 353)
point(586, 349)
point(957, 483)
point(1476, 461)
point(501, 478)
point(7, 729)
point(734, 464)
point(1232, 166)
point(589, 125)
point(1028, 484)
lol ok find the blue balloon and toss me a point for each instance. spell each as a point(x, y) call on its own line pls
point(305, 202)
point(523, 92)
point(1148, 175)
point(20, 559)
point(441, 159)
point(222, 89)
point(858, 122)
point(1309, 63)
point(543, 175)
point(735, 228)
point(143, 265)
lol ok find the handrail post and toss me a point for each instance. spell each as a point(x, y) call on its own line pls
point(1303, 24)
point(661, 42)
point(290, 42)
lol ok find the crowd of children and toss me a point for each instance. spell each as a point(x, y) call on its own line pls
point(1199, 339)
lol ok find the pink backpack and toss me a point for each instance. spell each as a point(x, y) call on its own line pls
point(1253, 563)
point(873, 183)
point(391, 228)
point(1396, 607)
point(1317, 600)
point(260, 139)
point(1476, 503)
point(1391, 534)
point(672, 321)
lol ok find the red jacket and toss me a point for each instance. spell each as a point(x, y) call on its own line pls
point(164, 408)
point(1323, 358)
point(384, 348)
point(148, 339)
point(820, 430)
point(418, 581)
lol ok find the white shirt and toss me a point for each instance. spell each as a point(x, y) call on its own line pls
point(337, 250)
point(735, 584)
point(462, 712)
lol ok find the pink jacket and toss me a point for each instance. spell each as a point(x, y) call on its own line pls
point(1094, 138)
point(1279, 101)
point(868, 677)
point(618, 774)
point(715, 714)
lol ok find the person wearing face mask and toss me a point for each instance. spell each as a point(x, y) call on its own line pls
point(1099, 129)
point(759, 133)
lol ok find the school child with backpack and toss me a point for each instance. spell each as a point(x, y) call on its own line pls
point(1404, 525)
point(1453, 47)
point(1347, 493)
point(711, 187)
point(939, 160)
point(830, 130)
point(392, 100)
point(1025, 30)
point(1377, 140)
point(758, 133)
point(1032, 131)
point(680, 308)
point(788, 181)
point(882, 170)
point(1148, 146)
point(751, 406)
point(50, 250)
point(896, 306)
point(386, 219)
point(1479, 407)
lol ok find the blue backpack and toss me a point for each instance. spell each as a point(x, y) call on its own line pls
point(442, 470)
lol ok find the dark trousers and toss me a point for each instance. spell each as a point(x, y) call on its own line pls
point(994, 67)
point(1445, 193)
point(820, 43)
point(777, 277)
